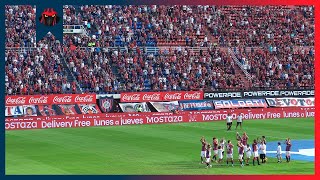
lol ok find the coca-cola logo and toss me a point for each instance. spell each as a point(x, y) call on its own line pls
point(151, 97)
point(87, 98)
point(62, 99)
point(132, 97)
point(175, 96)
point(195, 95)
point(15, 101)
point(39, 100)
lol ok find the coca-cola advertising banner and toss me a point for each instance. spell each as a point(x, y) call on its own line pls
point(50, 99)
point(161, 96)
point(290, 102)
point(152, 118)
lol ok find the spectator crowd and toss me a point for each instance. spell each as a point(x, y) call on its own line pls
point(274, 44)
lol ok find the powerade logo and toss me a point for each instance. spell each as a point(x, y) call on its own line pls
point(223, 95)
point(302, 150)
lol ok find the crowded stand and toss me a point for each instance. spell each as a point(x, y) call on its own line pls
point(262, 25)
point(284, 67)
point(136, 25)
point(36, 70)
point(274, 45)
point(20, 26)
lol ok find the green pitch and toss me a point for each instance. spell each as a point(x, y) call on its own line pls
point(145, 149)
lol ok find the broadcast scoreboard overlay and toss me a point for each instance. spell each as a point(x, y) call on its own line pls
point(131, 89)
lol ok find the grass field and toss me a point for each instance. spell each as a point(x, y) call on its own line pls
point(145, 149)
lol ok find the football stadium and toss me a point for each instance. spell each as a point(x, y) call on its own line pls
point(160, 90)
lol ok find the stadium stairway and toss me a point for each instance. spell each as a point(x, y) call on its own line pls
point(70, 76)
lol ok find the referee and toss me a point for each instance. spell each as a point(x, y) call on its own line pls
point(239, 121)
point(229, 122)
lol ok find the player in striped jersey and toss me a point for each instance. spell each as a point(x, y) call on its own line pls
point(244, 140)
point(288, 148)
point(222, 144)
point(208, 156)
point(203, 149)
point(240, 151)
point(255, 152)
point(229, 152)
point(215, 149)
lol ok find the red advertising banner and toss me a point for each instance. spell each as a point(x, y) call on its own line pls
point(161, 96)
point(120, 119)
point(50, 99)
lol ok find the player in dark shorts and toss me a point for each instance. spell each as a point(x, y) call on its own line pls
point(255, 152)
point(239, 121)
point(203, 149)
point(229, 122)
point(262, 149)
point(288, 149)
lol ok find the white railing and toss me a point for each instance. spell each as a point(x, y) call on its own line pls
point(235, 59)
point(151, 49)
point(74, 29)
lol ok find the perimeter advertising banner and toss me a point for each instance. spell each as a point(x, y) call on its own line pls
point(165, 106)
point(290, 102)
point(133, 107)
point(120, 119)
point(240, 103)
point(89, 109)
point(13, 111)
point(50, 99)
point(30, 110)
point(196, 105)
point(219, 95)
point(161, 96)
point(47, 110)
point(67, 109)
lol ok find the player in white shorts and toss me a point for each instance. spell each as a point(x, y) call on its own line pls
point(215, 145)
point(279, 153)
point(203, 149)
point(255, 152)
point(208, 156)
point(222, 143)
point(240, 151)
point(220, 154)
point(248, 154)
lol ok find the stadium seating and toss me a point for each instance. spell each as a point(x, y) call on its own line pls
point(161, 48)
point(20, 26)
